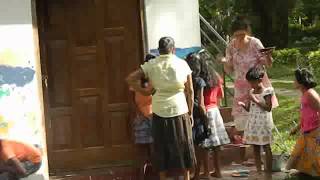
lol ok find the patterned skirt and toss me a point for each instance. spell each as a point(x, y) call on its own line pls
point(218, 134)
point(142, 127)
point(259, 129)
point(305, 156)
point(173, 144)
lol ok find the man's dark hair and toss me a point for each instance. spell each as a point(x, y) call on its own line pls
point(166, 45)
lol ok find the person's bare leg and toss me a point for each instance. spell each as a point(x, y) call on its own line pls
point(257, 157)
point(206, 163)
point(268, 166)
point(163, 175)
point(216, 162)
point(186, 174)
point(198, 165)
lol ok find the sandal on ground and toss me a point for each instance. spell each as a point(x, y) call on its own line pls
point(240, 173)
point(237, 174)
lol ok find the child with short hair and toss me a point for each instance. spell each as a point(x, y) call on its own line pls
point(258, 131)
point(305, 156)
point(142, 124)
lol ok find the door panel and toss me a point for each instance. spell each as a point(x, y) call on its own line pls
point(88, 48)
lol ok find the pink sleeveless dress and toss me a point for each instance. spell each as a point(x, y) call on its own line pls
point(309, 117)
point(305, 156)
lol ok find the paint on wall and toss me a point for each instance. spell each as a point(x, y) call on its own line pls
point(180, 52)
point(20, 99)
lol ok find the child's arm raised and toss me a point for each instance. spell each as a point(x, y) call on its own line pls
point(246, 106)
point(134, 81)
point(267, 106)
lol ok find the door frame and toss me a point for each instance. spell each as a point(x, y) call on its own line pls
point(38, 15)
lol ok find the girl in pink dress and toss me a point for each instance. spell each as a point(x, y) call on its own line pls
point(305, 156)
point(243, 53)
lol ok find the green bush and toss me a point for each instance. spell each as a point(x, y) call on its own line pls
point(314, 62)
point(286, 56)
point(297, 31)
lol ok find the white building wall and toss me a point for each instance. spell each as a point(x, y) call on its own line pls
point(21, 104)
point(176, 18)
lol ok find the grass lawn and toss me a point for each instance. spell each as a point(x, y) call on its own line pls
point(282, 72)
point(285, 116)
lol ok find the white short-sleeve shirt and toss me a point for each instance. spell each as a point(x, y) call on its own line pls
point(168, 74)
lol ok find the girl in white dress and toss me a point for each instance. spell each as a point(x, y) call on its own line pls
point(258, 131)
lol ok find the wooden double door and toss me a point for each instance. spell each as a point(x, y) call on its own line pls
point(88, 47)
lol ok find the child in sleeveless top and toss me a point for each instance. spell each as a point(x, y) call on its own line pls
point(208, 131)
point(258, 131)
point(305, 156)
point(142, 125)
point(213, 92)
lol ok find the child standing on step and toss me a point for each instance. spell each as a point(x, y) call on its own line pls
point(199, 130)
point(142, 124)
point(213, 92)
point(306, 154)
point(258, 131)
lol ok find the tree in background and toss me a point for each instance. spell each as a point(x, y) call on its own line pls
point(269, 18)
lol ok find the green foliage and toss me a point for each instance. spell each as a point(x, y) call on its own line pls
point(281, 71)
point(299, 33)
point(304, 12)
point(219, 13)
point(286, 56)
point(283, 143)
point(314, 62)
point(284, 116)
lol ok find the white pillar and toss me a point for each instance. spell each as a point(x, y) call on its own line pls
point(21, 112)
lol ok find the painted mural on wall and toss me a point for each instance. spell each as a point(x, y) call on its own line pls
point(17, 113)
point(20, 113)
point(180, 52)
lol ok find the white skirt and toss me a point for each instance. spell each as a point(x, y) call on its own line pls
point(218, 135)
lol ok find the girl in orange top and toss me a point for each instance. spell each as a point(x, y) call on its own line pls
point(142, 125)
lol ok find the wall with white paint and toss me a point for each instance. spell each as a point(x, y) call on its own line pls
point(21, 112)
point(176, 18)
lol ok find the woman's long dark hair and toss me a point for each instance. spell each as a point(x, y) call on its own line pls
point(209, 75)
point(200, 68)
point(193, 60)
point(208, 72)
